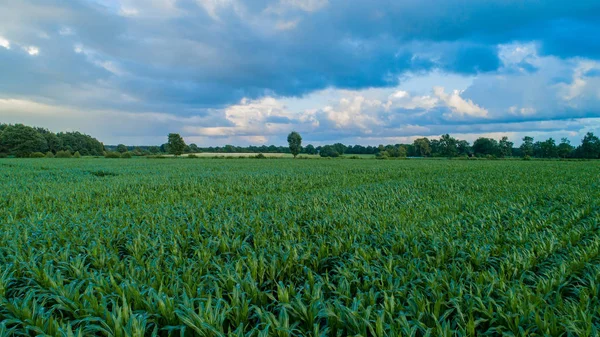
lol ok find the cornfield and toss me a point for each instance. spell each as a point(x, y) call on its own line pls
point(243, 247)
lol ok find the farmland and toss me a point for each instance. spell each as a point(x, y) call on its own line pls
point(282, 247)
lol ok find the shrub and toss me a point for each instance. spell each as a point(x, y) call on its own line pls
point(527, 157)
point(192, 156)
point(112, 155)
point(382, 155)
point(63, 154)
point(260, 156)
point(77, 155)
point(126, 155)
point(3, 155)
point(37, 155)
point(49, 154)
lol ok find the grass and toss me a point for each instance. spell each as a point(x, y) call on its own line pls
point(98, 247)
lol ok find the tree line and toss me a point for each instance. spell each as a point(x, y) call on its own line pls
point(22, 141)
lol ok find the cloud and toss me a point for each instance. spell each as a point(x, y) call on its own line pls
point(459, 105)
point(4, 43)
point(249, 70)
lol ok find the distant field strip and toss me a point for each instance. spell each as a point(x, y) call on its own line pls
point(248, 247)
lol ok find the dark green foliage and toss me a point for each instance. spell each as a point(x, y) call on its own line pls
point(176, 145)
point(527, 146)
point(37, 155)
point(295, 143)
point(20, 140)
point(126, 155)
point(49, 154)
point(328, 151)
point(121, 148)
point(76, 154)
point(112, 155)
point(486, 147)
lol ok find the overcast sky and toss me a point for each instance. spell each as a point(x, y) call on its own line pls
point(250, 71)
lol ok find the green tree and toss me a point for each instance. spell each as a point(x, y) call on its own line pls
point(590, 146)
point(463, 147)
point(21, 141)
point(422, 147)
point(505, 147)
point(295, 142)
point(548, 148)
point(448, 146)
point(310, 149)
point(175, 145)
point(328, 151)
point(121, 148)
point(527, 146)
point(485, 146)
point(564, 148)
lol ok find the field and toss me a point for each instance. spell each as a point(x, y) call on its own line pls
point(244, 247)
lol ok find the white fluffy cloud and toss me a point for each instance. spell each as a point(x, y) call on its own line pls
point(459, 105)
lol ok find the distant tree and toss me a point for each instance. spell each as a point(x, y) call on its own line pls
point(565, 148)
point(422, 147)
point(448, 146)
point(295, 142)
point(505, 147)
point(176, 145)
point(310, 149)
point(485, 146)
point(527, 146)
point(328, 151)
point(463, 147)
point(154, 149)
point(590, 146)
point(121, 148)
point(194, 148)
point(548, 148)
point(339, 148)
point(21, 141)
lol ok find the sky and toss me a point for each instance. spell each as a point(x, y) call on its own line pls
point(248, 72)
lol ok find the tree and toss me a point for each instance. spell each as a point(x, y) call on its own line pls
point(175, 145)
point(339, 148)
point(448, 146)
point(485, 146)
point(422, 147)
point(564, 148)
point(21, 141)
point(505, 147)
point(527, 146)
point(590, 146)
point(328, 151)
point(121, 148)
point(310, 149)
point(548, 148)
point(295, 142)
point(463, 147)
point(194, 148)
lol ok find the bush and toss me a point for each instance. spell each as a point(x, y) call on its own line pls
point(49, 154)
point(112, 155)
point(37, 155)
point(192, 156)
point(382, 155)
point(77, 155)
point(63, 154)
point(3, 155)
point(126, 155)
point(260, 156)
point(527, 157)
